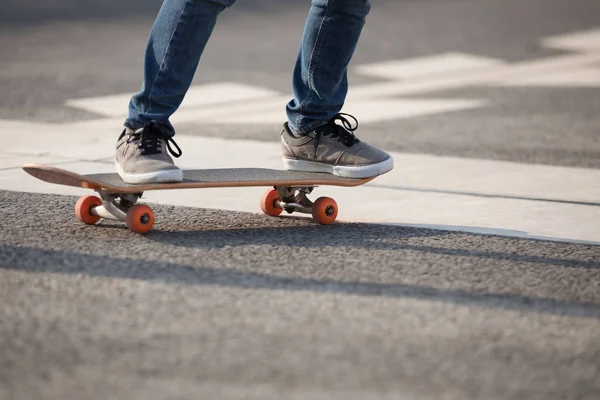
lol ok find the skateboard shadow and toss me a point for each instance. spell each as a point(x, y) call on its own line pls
point(207, 248)
point(50, 261)
point(350, 235)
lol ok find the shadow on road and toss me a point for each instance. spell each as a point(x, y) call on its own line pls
point(365, 236)
point(200, 247)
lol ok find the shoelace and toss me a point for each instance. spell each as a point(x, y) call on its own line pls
point(343, 132)
point(149, 141)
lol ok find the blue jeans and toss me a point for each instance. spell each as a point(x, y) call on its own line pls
point(320, 81)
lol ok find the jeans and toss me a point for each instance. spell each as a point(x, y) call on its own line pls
point(320, 81)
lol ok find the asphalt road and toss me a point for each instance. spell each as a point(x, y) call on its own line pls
point(215, 304)
point(231, 306)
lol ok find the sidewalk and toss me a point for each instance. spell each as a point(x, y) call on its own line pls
point(480, 196)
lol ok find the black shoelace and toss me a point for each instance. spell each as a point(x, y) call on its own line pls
point(149, 141)
point(344, 133)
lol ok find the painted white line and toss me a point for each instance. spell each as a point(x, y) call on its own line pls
point(271, 110)
point(440, 192)
point(445, 63)
point(235, 103)
point(544, 67)
point(230, 113)
point(370, 111)
point(196, 97)
point(493, 76)
point(491, 71)
point(585, 41)
point(581, 77)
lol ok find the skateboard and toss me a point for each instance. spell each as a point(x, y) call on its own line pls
point(119, 200)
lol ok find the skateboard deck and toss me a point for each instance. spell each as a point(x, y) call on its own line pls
point(118, 199)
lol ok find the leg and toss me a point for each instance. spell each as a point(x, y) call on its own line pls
point(177, 40)
point(312, 140)
point(176, 43)
point(320, 78)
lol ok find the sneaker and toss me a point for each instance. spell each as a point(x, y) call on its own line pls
point(142, 155)
point(334, 149)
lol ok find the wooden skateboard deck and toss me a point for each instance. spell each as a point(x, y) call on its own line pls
point(118, 199)
point(192, 179)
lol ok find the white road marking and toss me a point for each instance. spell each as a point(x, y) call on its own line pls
point(369, 110)
point(196, 97)
point(373, 110)
point(582, 77)
point(269, 109)
point(236, 103)
point(585, 41)
point(495, 76)
point(480, 196)
point(445, 63)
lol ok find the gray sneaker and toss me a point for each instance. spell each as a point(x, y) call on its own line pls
point(142, 156)
point(334, 149)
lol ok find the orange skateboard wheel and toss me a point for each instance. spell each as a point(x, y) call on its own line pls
point(324, 210)
point(83, 209)
point(140, 218)
point(267, 203)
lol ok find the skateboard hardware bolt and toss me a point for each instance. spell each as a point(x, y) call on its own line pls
point(329, 211)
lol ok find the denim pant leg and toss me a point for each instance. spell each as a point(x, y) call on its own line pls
point(320, 80)
point(177, 40)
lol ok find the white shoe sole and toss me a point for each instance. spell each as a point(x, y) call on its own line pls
point(363, 171)
point(166, 176)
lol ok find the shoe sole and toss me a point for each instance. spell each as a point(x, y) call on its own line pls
point(165, 176)
point(363, 171)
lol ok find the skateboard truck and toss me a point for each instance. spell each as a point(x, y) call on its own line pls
point(115, 206)
point(295, 199)
point(139, 218)
point(324, 210)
